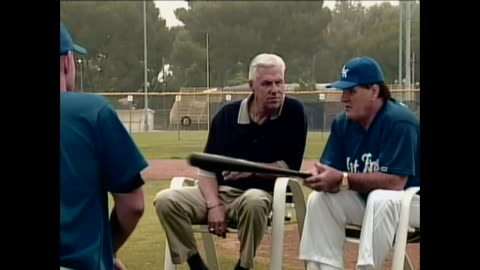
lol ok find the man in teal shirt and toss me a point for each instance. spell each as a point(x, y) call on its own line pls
point(97, 157)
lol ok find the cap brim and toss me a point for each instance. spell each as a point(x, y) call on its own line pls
point(79, 49)
point(342, 85)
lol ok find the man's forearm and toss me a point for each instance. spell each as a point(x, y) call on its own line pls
point(122, 230)
point(209, 187)
point(365, 182)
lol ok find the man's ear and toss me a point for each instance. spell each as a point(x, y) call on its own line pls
point(375, 91)
point(250, 84)
point(66, 65)
point(68, 61)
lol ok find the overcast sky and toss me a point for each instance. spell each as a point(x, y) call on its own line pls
point(167, 8)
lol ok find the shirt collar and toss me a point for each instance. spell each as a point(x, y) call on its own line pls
point(243, 115)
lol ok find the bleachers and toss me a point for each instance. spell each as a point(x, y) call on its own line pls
point(190, 108)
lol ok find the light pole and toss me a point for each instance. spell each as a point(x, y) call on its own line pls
point(80, 62)
point(208, 80)
point(145, 83)
point(408, 54)
point(208, 61)
point(413, 69)
point(314, 60)
point(400, 42)
point(164, 82)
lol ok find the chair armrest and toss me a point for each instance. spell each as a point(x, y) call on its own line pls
point(279, 196)
point(403, 226)
point(278, 219)
point(180, 181)
point(409, 193)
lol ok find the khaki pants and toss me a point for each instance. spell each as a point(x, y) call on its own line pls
point(178, 209)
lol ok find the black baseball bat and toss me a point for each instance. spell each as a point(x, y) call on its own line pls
point(219, 163)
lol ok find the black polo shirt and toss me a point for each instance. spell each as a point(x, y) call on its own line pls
point(280, 138)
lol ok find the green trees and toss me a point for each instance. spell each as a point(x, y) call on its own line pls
point(313, 40)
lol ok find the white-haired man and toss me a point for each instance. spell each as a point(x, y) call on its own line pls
point(257, 128)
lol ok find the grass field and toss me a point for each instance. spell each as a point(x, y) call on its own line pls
point(177, 145)
point(146, 247)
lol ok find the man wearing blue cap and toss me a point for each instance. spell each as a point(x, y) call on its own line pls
point(97, 156)
point(372, 153)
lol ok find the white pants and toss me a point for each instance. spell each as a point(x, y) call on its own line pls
point(327, 215)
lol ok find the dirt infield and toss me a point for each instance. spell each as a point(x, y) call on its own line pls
point(166, 169)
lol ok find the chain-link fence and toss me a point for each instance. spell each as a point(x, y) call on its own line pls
point(194, 109)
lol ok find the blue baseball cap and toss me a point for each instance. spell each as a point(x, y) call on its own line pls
point(358, 71)
point(67, 44)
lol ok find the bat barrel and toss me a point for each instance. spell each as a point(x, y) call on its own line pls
point(219, 163)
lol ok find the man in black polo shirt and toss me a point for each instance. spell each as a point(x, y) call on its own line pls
point(266, 127)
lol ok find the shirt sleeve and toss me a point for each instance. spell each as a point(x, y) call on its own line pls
point(214, 143)
point(296, 147)
point(121, 159)
point(334, 155)
point(399, 149)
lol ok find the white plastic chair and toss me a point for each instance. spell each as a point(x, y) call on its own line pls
point(409, 223)
point(276, 229)
point(408, 230)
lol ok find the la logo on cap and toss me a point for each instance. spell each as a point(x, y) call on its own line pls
point(344, 72)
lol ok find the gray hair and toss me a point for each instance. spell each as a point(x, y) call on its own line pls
point(264, 60)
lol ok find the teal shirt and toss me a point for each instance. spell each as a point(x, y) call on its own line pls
point(390, 145)
point(97, 156)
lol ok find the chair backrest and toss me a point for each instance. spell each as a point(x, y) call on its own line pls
point(409, 222)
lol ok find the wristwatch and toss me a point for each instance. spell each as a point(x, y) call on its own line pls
point(344, 185)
